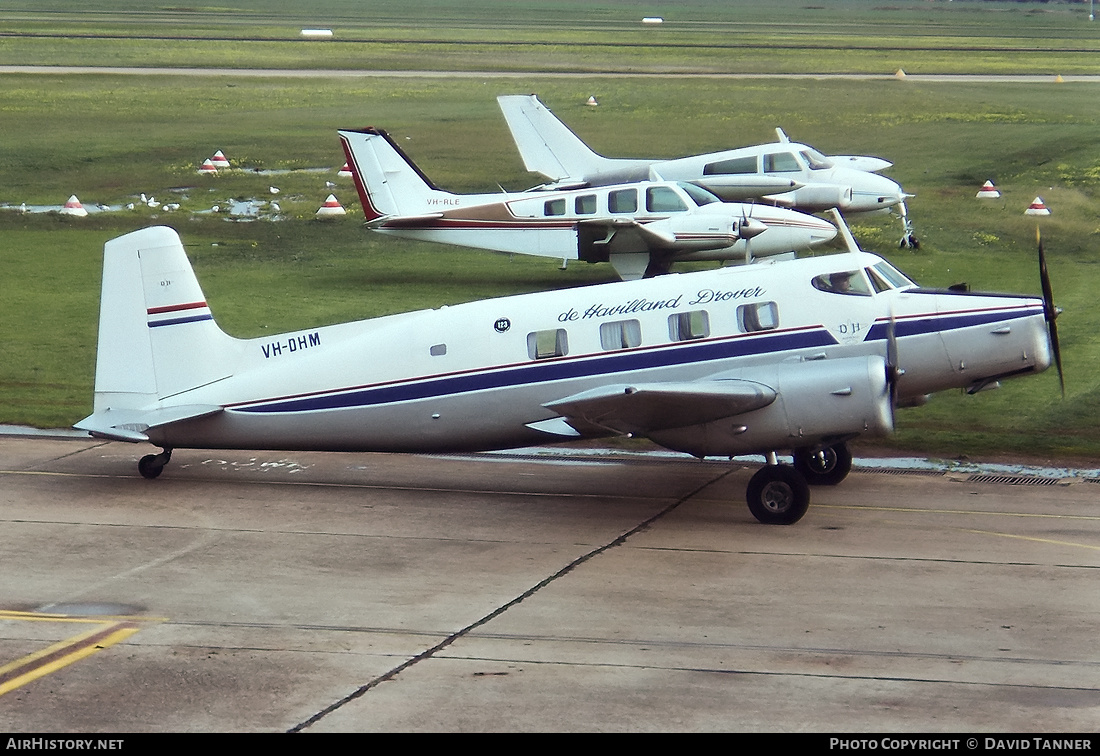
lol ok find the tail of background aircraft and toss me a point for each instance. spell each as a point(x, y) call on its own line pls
point(388, 181)
point(157, 337)
point(547, 145)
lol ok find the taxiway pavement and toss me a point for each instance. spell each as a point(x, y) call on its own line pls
point(265, 591)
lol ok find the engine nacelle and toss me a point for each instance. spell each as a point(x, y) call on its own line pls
point(818, 402)
point(817, 197)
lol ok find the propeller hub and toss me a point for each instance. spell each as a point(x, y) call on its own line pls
point(750, 227)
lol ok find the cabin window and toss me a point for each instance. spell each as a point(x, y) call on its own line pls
point(437, 350)
point(542, 345)
point(585, 204)
point(758, 316)
point(733, 165)
point(781, 162)
point(622, 334)
point(843, 282)
point(623, 201)
point(684, 326)
point(663, 199)
point(554, 207)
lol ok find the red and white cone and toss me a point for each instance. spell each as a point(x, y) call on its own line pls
point(73, 207)
point(988, 191)
point(208, 167)
point(331, 208)
point(1037, 208)
point(220, 160)
point(344, 172)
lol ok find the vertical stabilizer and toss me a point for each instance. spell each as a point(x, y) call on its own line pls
point(547, 145)
point(388, 181)
point(157, 337)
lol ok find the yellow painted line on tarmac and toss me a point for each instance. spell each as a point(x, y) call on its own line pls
point(7, 614)
point(109, 631)
point(1033, 538)
point(917, 510)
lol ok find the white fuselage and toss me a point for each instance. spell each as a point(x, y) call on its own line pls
point(477, 375)
point(552, 224)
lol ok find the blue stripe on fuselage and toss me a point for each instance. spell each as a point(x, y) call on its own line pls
point(946, 322)
point(585, 366)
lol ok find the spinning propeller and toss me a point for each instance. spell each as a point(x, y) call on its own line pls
point(893, 370)
point(1050, 311)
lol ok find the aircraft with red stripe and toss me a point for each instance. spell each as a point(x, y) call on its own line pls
point(797, 355)
point(641, 228)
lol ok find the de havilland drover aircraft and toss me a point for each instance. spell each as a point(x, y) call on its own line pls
point(784, 172)
point(641, 227)
point(800, 355)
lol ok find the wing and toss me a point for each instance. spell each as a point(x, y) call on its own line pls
point(645, 407)
point(618, 236)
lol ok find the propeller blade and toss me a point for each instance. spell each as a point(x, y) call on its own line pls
point(1050, 312)
point(893, 370)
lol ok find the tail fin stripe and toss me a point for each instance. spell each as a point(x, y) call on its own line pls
point(175, 308)
point(177, 321)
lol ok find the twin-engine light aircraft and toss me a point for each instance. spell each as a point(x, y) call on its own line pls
point(641, 228)
point(799, 355)
point(789, 174)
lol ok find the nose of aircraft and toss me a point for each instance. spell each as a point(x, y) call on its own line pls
point(870, 191)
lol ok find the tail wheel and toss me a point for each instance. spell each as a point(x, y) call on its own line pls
point(778, 495)
point(152, 465)
point(825, 467)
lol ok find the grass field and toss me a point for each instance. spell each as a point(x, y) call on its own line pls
point(108, 138)
point(708, 36)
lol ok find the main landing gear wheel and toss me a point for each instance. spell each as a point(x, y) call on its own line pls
point(152, 465)
point(778, 495)
point(825, 467)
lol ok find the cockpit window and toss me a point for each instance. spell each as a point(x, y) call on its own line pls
point(700, 195)
point(843, 282)
point(877, 281)
point(781, 162)
point(663, 199)
point(897, 279)
point(816, 160)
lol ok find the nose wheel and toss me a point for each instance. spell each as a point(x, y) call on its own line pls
point(909, 240)
point(152, 465)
